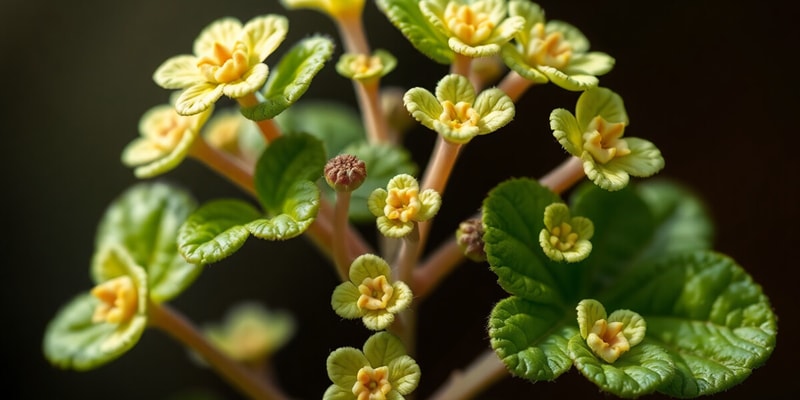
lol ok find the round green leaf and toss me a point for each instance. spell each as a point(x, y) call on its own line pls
point(298, 211)
point(407, 17)
point(290, 79)
point(145, 220)
point(531, 338)
point(513, 218)
point(288, 160)
point(215, 230)
point(708, 313)
point(640, 371)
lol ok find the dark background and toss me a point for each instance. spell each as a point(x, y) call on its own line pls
point(712, 83)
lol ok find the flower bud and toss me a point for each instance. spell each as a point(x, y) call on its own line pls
point(345, 172)
point(470, 238)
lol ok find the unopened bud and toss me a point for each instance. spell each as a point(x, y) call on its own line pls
point(470, 238)
point(345, 172)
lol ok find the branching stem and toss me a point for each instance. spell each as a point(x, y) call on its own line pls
point(341, 251)
point(484, 371)
point(515, 85)
point(244, 379)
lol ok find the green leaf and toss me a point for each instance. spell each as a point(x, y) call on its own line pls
point(290, 79)
point(288, 160)
point(531, 337)
point(145, 221)
point(336, 124)
point(683, 223)
point(710, 316)
point(513, 216)
point(639, 371)
point(407, 17)
point(298, 211)
point(623, 227)
point(216, 230)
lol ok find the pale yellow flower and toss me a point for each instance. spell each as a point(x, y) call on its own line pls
point(228, 59)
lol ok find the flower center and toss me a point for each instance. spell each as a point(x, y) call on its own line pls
point(604, 141)
point(372, 384)
point(225, 65)
point(169, 130)
point(562, 237)
point(118, 300)
point(466, 23)
point(402, 204)
point(607, 340)
point(364, 65)
point(375, 293)
point(459, 114)
point(548, 49)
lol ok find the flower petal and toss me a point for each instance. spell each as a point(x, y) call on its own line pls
point(141, 151)
point(264, 34)
point(343, 365)
point(376, 201)
point(495, 108)
point(430, 202)
point(515, 60)
point(575, 83)
point(198, 98)
point(401, 298)
point(594, 63)
point(394, 228)
point(483, 50)
point(455, 88)
point(634, 328)
point(644, 159)
point(610, 176)
point(377, 319)
point(343, 301)
point(368, 266)
point(404, 373)
point(423, 106)
point(600, 102)
point(178, 72)
point(566, 131)
point(224, 31)
point(252, 80)
point(589, 311)
point(578, 41)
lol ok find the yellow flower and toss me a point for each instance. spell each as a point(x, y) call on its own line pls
point(337, 9)
point(609, 336)
point(228, 59)
point(401, 205)
point(165, 139)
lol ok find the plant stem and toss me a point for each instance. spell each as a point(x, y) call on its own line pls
point(268, 128)
point(341, 252)
point(515, 85)
point(369, 102)
point(428, 275)
point(563, 177)
point(404, 271)
point(437, 173)
point(351, 30)
point(461, 65)
point(484, 371)
point(177, 326)
point(223, 164)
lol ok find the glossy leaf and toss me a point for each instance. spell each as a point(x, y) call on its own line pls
point(145, 221)
point(531, 338)
point(407, 17)
point(290, 79)
point(708, 313)
point(640, 371)
point(216, 230)
point(513, 218)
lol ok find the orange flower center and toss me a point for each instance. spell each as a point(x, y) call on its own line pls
point(548, 49)
point(225, 65)
point(402, 204)
point(375, 293)
point(459, 114)
point(607, 340)
point(372, 384)
point(470, 26)
point(562, 237)
point(604, 141)
point(118, 300)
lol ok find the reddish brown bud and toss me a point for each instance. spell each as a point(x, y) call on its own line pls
point(345, 172)
point(470, 238)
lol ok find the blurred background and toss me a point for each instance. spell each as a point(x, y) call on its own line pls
point(710, 82)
